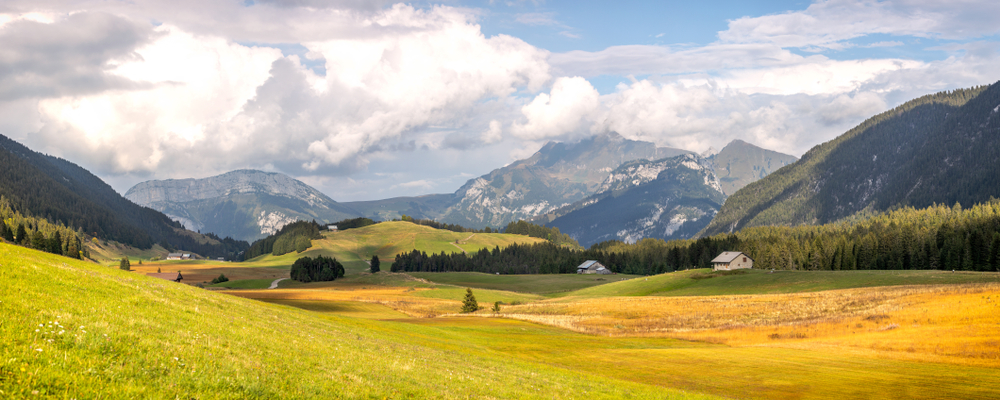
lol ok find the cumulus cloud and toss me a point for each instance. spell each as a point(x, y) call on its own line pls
point(702, 116)
point(326, 90)
point(208, 103)
point(563, 110)
point(69, 56)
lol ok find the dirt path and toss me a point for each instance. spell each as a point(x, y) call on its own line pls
point(274, 285)
point(453, 244)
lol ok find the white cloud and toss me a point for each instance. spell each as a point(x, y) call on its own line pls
point(493, 134)
point(562, 111)
point(210, 104)
point(830, 23)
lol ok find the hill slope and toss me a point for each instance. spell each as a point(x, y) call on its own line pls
point(63, 192)
point(243, 204)
point(77, 330)
point(387, 239)
point(940, 148)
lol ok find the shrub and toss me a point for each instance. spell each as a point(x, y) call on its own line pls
point(220, 279)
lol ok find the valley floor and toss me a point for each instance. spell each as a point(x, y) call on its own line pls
point(690, 334)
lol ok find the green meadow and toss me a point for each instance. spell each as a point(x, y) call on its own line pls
point(72, 329)
point(705, 282)
point(387, 239)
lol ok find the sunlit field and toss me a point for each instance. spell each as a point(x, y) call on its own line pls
point(72, 329)
point(743, 334)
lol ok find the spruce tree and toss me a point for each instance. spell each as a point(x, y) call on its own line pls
point(470, 304)
point(375, 264)
point(38, 241)
point(124, 264)
point(21, 235)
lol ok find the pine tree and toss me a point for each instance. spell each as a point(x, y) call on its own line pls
point(375, 264)
point(55, 244)
point(124, 264)
point(469, 304)
point(38, 241)
point(21, 236)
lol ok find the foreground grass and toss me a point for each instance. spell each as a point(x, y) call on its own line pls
point(704, 282)
point(76, 330)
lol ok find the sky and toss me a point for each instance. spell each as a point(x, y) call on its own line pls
point(367, 100)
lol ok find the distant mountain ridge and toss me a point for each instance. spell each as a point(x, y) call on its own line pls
point(246, 204)
point(740, 163)
point(940, 148)
point(671, 198)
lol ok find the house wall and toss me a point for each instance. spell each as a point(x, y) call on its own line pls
point(741, 262)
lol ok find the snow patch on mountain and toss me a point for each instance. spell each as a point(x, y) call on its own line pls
point(271, 223)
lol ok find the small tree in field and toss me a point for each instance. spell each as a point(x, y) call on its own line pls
point(375, 264)
point(496, 307)
point(124, 265)
point(470, 304)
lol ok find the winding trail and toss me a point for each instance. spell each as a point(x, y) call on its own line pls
point(466, 240)
point(274, 285)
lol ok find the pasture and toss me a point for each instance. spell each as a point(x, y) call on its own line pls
point(687, 334)
point(72, 329)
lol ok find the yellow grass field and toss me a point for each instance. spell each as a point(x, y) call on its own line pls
point(801, 335)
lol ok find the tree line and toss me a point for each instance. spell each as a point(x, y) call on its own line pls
point(39, 234)
point(937, 237)
point(296, 236)
point(553, 235)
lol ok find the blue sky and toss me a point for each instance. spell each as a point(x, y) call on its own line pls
point(369, 100)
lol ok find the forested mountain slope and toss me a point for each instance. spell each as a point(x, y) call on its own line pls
point(63, 192)
point(940, 148)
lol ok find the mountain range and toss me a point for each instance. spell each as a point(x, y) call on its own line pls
point(942, 148)
point(246, 204)
point(554, 181)
point(671, 198)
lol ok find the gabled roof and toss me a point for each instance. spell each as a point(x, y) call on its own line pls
point(728, 256)
point(587, 264)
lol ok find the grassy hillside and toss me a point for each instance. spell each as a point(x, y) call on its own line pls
point(704, 282)
point(387, 239)
point(72, 329)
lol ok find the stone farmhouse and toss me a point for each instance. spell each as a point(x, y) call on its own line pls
point(592, 267)
point(730, 260)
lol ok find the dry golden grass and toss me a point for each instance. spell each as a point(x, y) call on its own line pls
point(948, 323)
point(204, 271)
point(398, 298)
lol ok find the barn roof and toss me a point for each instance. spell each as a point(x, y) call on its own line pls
point(587, 264)
point(728, 256)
